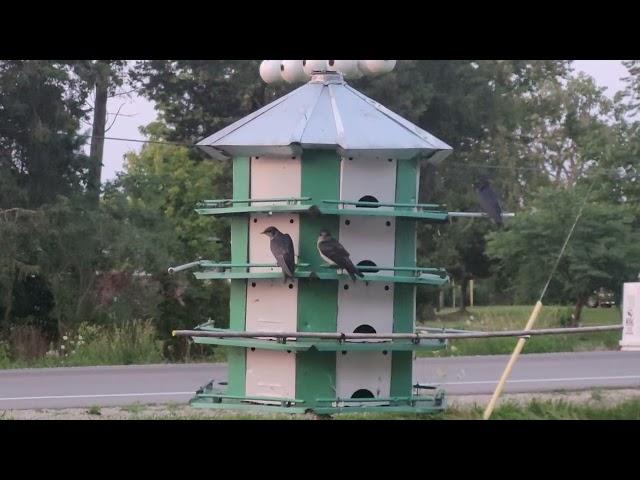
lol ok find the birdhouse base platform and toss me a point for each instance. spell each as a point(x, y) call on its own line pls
point(213, 395)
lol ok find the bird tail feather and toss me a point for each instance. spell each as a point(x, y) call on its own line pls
point(353, 271)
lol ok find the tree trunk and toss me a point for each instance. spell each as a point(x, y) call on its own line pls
point(8, 302)
point(464, 292)
point(577, 312)
point(97, 134)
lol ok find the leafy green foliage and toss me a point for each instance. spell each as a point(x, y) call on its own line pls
point(604, 250)
point(158, 194)
point(533, 127)
point(198, 97)
point(41, 104)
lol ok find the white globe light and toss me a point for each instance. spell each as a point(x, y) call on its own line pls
point(270, 71)
point(310, 66)
point(292, 71)
point(377, 67)
point(364, 69)
point(349, 68)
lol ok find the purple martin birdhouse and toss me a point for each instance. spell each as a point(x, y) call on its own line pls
point(323, 271)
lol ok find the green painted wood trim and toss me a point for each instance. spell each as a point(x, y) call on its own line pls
point(403, 308)
point(427, 216)
point(317, 306)
point(406, 192)
point(426, 279)
point(422, 405)
point(230, 211)
point(240, 225)
point(407, 175)
point(198, 402)
point(236, 358)
point(324, 346)
point(406, 246)
point(395, 346)
point(317, 300)
point(320, 179)
point(401, 373)
point(254, 343)
point(236, 371)
point(315, 375)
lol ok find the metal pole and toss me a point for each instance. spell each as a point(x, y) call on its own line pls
point(475, 214)
point(399, 336)
point(186, 266)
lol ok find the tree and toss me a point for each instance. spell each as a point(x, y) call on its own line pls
point(40, 111)
point(158, 193)
point(604, 250)
point(632, 92)
point(19, 253)
point(484, 109)
point(198, 97)
point(103, 77)
point(575, 134)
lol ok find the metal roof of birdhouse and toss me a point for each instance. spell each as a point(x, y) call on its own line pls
point(325, 113)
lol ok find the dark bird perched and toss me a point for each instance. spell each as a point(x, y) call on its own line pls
point(282, 249)
point(488, 200)
point(335, 254)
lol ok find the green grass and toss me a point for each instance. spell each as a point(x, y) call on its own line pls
point(134, 409)
point(514, 318)
point(534, 410)
point(133, 342)
point(137, 342)
point(94, 410)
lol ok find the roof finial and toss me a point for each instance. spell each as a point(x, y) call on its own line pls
point(293, 71)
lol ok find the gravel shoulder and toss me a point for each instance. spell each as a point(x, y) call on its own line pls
point(606, 398)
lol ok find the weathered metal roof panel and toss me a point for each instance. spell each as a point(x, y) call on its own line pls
point(325, 113)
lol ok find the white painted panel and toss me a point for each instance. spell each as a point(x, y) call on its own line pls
point(275, 178)
point(270, 374)
point(369, 238)
point(362, 303)
point(271, 305)
point(363, 370)
point(631, 317)
point(259, 249)
point(368, 176)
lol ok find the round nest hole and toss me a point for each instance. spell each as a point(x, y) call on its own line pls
point(370, 199)
point(368, 263)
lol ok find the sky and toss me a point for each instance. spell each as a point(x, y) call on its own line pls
point(138, 111)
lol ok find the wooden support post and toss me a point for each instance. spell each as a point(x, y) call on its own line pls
point(453, 293)
point(512, 361)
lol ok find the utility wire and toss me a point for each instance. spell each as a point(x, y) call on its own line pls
point(564, 246)
point(613, 170)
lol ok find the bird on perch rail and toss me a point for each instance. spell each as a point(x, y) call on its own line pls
point(488, 200)
point(335, 254)
point(282, 249)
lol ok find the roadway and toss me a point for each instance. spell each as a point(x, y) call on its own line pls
point(161, 384)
